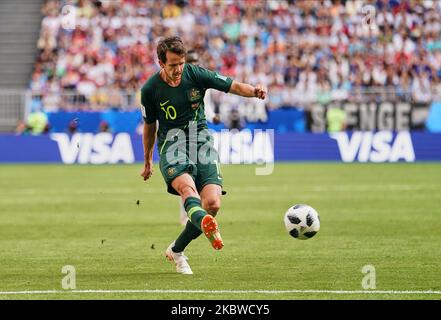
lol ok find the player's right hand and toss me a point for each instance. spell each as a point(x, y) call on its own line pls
point(260, 91)
point(147, 171)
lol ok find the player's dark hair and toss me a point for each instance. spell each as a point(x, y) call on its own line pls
point(172, 44)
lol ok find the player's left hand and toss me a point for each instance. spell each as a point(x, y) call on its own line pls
point(260, 91)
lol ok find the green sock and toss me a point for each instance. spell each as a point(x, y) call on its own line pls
point(189, 233)
point(194, 211)
point(192, 229)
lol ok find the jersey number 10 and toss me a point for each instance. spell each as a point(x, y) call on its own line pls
point(170, 112)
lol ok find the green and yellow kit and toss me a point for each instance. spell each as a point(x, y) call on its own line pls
point(183, 140)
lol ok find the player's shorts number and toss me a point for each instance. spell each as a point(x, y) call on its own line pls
point(170, 112)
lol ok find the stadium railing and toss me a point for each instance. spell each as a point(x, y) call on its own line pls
point(129, 100)
point(13, 108)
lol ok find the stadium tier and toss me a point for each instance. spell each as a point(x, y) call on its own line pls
point(304, 51)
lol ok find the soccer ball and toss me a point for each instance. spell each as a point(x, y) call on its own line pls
point(302, 221)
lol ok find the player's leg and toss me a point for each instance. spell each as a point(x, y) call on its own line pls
point(179, 179)
point(209, 184)
point(185, 186)
point(211, 198)
point(178, 171)
point(209, 180)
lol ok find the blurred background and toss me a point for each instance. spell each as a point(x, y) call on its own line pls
point(70, 67)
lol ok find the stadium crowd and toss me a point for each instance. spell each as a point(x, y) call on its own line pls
point(304, 51)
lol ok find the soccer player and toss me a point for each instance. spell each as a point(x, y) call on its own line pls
point(174, 98)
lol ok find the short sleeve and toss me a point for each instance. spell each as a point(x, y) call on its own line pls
point(210, 79)
point(147, 107)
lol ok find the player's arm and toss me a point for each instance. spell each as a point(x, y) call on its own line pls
point(148, 140)
point(246, 90)
point(211, 79)
point(148, 132)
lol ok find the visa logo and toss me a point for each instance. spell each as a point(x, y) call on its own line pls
point(94, 148)
point(245, 146)
point(375, 147)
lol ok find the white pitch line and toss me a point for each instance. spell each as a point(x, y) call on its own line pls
point(225, 291)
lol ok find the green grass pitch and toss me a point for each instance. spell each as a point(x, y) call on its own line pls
point(384, 215)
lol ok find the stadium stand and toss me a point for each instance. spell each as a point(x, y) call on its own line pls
point(19, 30)
point(329, 55)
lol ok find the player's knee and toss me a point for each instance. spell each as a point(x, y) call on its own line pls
point(212, 205)
point(187, 191)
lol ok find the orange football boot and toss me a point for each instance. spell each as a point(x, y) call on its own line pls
point(210, 228)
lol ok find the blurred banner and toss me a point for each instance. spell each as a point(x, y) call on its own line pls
point(246, 146)
point(371, 116)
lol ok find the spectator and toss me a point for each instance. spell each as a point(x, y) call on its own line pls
point(37, 122)
point(289, 46)
point(336, 119)
point(72, 127)
point(421, 90)
point(104, 126)
point(235, 121)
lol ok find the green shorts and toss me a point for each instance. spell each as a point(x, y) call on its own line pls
point(203, 168)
